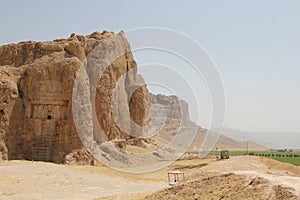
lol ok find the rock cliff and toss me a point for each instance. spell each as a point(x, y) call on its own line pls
point(37, 120)
point(36, 85)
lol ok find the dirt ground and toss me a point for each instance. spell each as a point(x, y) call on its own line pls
point(237, 178)
point(241, 177)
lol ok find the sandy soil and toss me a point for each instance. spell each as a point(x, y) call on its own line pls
point(39, 180)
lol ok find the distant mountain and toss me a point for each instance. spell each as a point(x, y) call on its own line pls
point(226, 142)
point(271, 140)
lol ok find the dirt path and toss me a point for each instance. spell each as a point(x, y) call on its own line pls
point(27, 180)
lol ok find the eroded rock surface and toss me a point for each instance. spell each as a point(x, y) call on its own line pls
point(37, 104)
point(36, 86)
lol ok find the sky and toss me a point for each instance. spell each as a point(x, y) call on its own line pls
point(254, 44)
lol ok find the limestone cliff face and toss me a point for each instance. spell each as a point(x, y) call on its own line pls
point(176, 109)
point(36, 84)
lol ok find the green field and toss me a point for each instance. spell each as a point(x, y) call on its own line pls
point(294, 161)
point(288, 157)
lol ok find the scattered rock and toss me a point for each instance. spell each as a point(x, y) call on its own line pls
point(79, 157)
point(114, 152)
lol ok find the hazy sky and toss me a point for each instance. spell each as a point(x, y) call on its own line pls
point(255, 44)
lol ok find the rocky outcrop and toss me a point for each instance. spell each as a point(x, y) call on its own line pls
point(11, 110)
point(37, 117)
point(36, 86)
point(79, 157)
point(175, 108)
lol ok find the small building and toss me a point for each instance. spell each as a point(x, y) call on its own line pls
point(175, 177)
